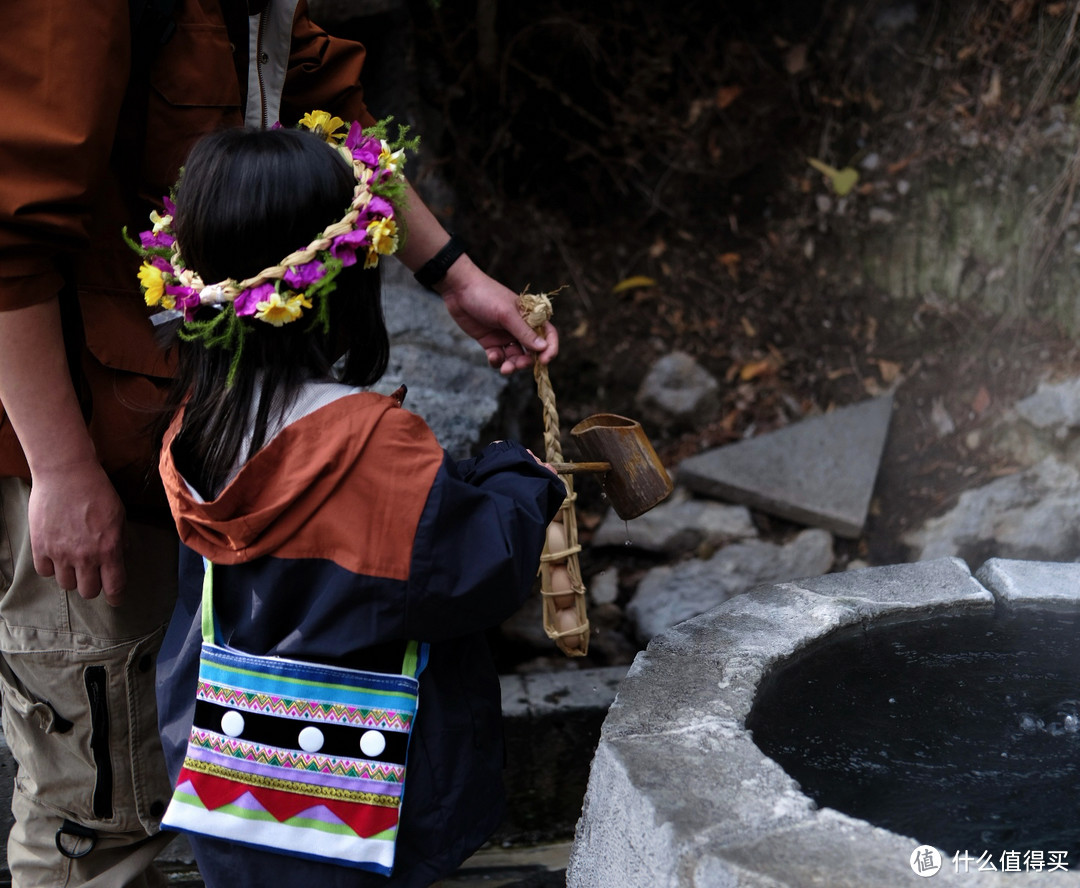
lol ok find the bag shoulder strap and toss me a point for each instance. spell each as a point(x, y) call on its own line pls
point(412, 664)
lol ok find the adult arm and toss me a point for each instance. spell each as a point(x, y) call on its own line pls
point(324, 73)
point(55, 137)
point(76, 518)
point(485, 309)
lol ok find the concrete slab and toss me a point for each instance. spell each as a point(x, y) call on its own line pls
point(819, 471)
point(1042, 582)
point(551, 723)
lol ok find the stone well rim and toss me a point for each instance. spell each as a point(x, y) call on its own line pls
point(654, 815)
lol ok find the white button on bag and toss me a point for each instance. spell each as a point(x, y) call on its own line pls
point(232, 724)
point(311, 739)
point(372, 743)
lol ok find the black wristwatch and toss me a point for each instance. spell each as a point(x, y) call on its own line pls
point(434, 270)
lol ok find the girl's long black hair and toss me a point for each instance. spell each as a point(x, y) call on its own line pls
point(248, 198)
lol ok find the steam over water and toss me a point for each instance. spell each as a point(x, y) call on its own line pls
point(961, 732)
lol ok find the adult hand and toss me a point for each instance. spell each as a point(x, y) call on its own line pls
point(488, 312)
point(75, 516)
point(76, 530)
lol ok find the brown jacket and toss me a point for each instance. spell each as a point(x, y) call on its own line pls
point(87, 147)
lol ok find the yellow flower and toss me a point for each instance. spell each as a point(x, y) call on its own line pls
point(278, 309)
point(322, 124)
point(160, 222)
point(383, 236)
point(153, 284)
point(391, 160)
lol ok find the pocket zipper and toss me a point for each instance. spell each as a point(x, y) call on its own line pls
point(97, 678)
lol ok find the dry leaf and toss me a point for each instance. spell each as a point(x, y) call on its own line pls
point(838, 373)
point(966, 52)
point(697, 107)
point(795, 59)
point(871, 329)
point(873, 101)
point(992, 96)
point(900, 165)
point(1021, 10)
point(1055, 9)
point(658, 248)
point(731, 261)
point(633, 283)
point(871, 386)
point(753, 369)
point(748, 328)
point(981, 400)
point(725, 95)
point(581, 330)
point(889, 370)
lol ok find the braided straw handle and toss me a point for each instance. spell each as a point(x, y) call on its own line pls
point(561, 586)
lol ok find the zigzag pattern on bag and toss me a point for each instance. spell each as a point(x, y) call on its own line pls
point(305, 761)
point(385, 719)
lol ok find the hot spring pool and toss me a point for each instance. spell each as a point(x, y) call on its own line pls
point(963, 731)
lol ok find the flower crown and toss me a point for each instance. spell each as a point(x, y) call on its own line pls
point(302, 280)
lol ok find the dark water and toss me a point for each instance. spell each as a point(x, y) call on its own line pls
point(962, 732)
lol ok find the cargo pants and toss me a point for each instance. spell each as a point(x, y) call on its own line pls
point(80, 714)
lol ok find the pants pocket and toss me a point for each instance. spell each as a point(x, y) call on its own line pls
point(82, 727)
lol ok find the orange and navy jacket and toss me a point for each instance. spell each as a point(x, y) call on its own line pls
point(349, 533)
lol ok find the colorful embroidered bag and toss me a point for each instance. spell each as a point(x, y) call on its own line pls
point(297, 758)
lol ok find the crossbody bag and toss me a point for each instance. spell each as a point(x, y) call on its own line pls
point(296, 758)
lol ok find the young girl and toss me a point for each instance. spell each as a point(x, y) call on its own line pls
point(336, 527)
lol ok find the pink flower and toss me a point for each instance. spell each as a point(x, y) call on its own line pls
point(245, 304)
point(364, 148)
point(186, 299)
point(379, 206)
point(300, 277)
point(345, 246)
point(150, 240)
point(161, 264)
point(170, 207)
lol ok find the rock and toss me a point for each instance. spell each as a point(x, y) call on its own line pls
point(681, 524)
point(450, 384)
point(1032, 515)
point(677, 391)
point(941, 418)
point(604, 587)
point(818, 471)
point(670, 594)
point(1053, 405)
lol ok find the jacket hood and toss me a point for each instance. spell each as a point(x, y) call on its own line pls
point(280, 489)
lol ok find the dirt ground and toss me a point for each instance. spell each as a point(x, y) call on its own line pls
point(652, 159)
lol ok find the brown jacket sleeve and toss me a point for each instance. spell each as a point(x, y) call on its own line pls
point(63, 72)
point(324, 73)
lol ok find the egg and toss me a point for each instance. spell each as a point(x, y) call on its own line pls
point(566, 620)
point(556, 538)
